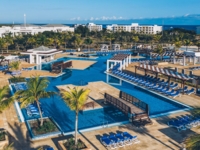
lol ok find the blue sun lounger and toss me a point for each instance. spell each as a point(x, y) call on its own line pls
point(175, 94)
point(107, 142)
point(190, 91)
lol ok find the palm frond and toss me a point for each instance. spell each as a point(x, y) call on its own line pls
point(193, 142)
point(75, 98)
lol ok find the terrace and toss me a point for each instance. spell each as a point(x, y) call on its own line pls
point(111, 116)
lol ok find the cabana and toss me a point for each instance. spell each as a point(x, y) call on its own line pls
point(116, 46)
point(123, 59)
point(104, 47)
point(169, 73)
point(41, 54)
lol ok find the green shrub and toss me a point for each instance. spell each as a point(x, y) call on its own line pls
point(70, 144)
point(17, 79)
point(47, 127)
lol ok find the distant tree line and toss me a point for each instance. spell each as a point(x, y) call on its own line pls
point(84, 39)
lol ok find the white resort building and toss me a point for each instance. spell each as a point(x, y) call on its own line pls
point(145, 29)
point(33, 29)
point(41, 54)
point(90, 26)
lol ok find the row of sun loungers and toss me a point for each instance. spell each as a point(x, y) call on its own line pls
point(32, 110)
point(185, 122)
point(26, 69)
point(195, 68)
point(114, 52)
point(2, 68)
point(154, 83)
point(114, 141)
point(20, 86)
point(70, 50)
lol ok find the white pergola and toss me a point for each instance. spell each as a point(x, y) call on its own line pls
point(41, 54)
point(123, 59)
point(195, 56)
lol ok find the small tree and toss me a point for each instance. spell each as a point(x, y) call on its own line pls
point(36, 89)
point(193, 142)
point(88, 42)
point(177, 46)
point(75, 98)
point(187, 43)
point(15, 65)
point(5, 98)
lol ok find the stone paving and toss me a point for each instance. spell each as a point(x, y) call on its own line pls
point(154, 137)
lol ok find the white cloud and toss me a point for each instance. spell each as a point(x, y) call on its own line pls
point(99, 18)
point(77, 18)
point(186, 15)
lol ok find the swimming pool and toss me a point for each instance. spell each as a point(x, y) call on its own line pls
point(56, 108)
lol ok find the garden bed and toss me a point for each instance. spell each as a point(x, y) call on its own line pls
point(49, 128)
point(69, 144)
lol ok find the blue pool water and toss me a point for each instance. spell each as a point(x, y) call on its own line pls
point(56, 108)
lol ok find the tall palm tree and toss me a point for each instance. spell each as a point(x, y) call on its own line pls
point(197, 43)
point(193, 142)
point(8, 40)
point(177, 46)
point(31, 41)
point(36, 89)
point(2, 44)
point(75, 98)
point(187, 43)
point(5, 98)
point(135, 40)
point(110, 37)
point(88, 42)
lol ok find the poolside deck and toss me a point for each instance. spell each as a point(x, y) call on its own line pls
point(81, 64)
point(190, 100)
point(96, 94)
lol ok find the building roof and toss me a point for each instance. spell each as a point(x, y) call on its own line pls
point(27, 25)
point(120, 57)
point(165, 72)
point(42, 48)
point(54, 25)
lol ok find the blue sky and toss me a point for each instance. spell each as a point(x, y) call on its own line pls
point(49, 10)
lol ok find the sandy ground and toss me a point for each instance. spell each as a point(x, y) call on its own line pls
point(4, 78)
point(158, 136)
point(81, 64)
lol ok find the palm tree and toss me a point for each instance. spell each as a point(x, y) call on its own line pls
point(2, 44)
point(8, 41)
point(15, 65)
point(5, 98)
point(88, 42)
point(187, 43)
point(177, 46)
point(197, 43)
point(75, 98)
point(36, 89)
point(135, 40)
point(193, 142)
point(31, 41)
point(110, 37)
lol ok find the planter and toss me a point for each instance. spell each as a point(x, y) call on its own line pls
point(4, 139)
point(48, 129)
point(61, 144)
